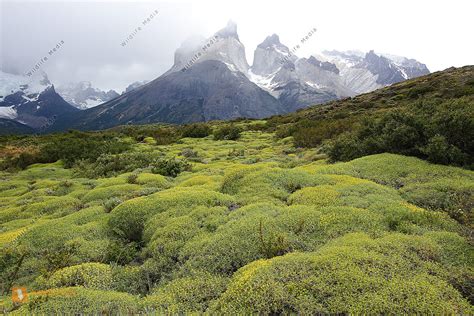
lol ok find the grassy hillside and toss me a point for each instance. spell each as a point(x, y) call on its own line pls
point(430, 117)
point(239, 218)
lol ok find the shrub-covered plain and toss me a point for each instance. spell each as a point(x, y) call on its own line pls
point(254, 225)
point(250, 217)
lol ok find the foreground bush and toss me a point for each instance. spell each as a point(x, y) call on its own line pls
point(434, 187)
point(128, 219)
point(79, 301)
point(89, 275)
point(187, 295)
point(356, 275)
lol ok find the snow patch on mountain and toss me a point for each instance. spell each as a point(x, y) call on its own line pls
point(8, 112)
point(29, 86)
point(264, 81)
point(83, 96)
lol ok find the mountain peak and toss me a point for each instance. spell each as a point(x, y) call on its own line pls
point(270, 56)
point(223, 46)
point(83, 95)
point(230, 30)
point(270, 41)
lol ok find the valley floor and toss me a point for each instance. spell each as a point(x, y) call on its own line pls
point(255, 226)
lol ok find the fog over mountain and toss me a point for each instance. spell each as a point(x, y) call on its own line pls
point(93, 32)
point(211, 79)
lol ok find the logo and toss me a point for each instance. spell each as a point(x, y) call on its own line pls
point(19, 295)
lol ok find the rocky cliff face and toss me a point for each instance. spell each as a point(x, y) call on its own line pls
point(295, 82)
point(209, 90)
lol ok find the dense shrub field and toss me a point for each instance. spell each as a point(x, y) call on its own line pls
point(243, 226)
point(328, 210)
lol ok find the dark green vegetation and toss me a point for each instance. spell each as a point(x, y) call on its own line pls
point(169, 219)
point(431, 117)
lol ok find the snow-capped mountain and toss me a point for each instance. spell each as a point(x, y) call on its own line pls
point(299, 82)
point(83, 96)
point(31, 101)
point(295, 82)
point(365, 72)
point(211, 80)
point(214, 85)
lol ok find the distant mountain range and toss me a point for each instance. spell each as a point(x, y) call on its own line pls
point(83, 96)
point(211, 79)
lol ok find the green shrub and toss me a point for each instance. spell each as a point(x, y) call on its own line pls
point(319, 131)
point(152, 180)
point(111, 203)
point(21, 161)
point(168, 233)
point(187, 295)
point(438, 150)
point(434, 187)
point(227, 132)
point(439, 132)
point(264, 230)
point(76, 146)
point(12, 258)
point(117, 191)
point(58, 206)
point(89, 275)
point(170, 167)
point(190, 154)
point(129, 279)
point(266, 183)
point(128, 219)
point(165, 136)
point(355, 275)
point(196, 130)
point(455, 197)
point(78, 300)
point(323, 195)
point(132, 178)
point(109, 165)
point(73, 239)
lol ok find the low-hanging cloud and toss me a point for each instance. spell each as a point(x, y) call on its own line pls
point(93, 32)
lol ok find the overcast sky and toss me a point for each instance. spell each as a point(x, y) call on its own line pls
point(437, 33)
